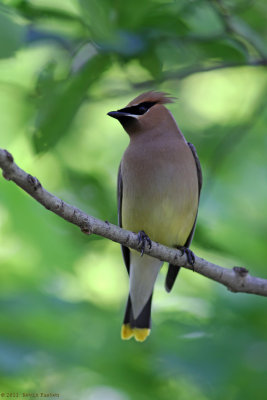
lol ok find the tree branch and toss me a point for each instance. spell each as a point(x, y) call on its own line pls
point(188, 71)
point(236, 279)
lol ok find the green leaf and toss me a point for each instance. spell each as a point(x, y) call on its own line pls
point(60, 104)
point(12, 35)
point(150, 61)
point(223, 50)
point(98, 17)
point(165, 21)
point(250, 35)
point(202, 19)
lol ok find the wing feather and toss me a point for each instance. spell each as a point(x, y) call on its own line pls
point(173, 269)
point(124, 249)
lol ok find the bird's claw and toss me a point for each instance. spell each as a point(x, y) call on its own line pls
point(142, 239)
point(189, 254)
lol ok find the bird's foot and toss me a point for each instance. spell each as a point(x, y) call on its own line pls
point(142, 239)
point(189, 254)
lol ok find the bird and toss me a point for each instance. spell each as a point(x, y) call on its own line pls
point(158, 190)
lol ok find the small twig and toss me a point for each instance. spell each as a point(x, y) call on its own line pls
point(236, 279)
point(232, 27)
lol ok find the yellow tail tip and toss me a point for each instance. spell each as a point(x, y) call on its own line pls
point(126, 332)
point(140, 334)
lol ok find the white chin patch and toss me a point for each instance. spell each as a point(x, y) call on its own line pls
point(132, 115)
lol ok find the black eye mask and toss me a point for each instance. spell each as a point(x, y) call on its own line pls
point(139, 109)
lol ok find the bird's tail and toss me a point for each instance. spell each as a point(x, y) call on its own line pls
point(138, 328)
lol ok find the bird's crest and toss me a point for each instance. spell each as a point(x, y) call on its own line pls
point(154, 97)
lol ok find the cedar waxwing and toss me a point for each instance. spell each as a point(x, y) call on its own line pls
point(159, 183)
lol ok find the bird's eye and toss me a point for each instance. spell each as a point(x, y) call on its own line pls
point(142, 109)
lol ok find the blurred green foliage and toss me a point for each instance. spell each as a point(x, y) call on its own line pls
point(63, 66)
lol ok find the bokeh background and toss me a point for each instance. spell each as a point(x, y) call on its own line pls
point(63, 65)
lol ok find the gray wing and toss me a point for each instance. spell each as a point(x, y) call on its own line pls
point(200, 180)
point(198, 166)
point(173, 269)
point(125, 250)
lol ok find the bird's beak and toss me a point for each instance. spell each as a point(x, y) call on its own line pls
point(122, 115)
point(116, 114)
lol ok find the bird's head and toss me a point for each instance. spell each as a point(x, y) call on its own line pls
point(145, 112)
